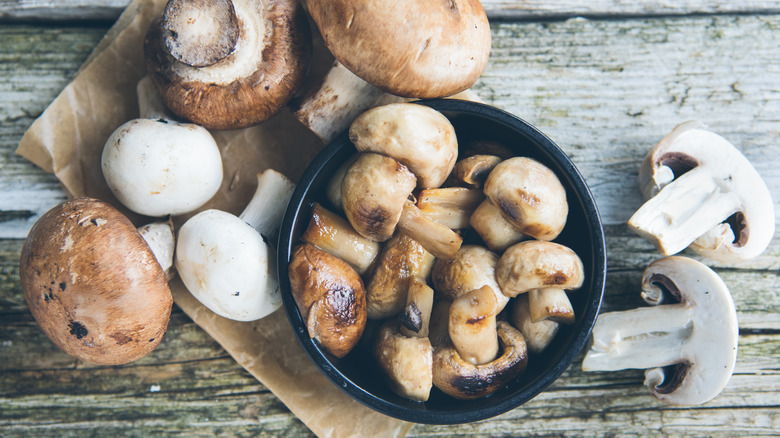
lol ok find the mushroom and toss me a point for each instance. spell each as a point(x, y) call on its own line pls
point(330, 296)
point(226, 261)
point(450, 206)
point(538, 335)
point(689, 347)
point(228, 64)
point(93, 284)
point(407, 361)
point(437, 238)
point(417, 136)
point(472, 171)
point(530, 197)
point(416, 316)
point(495, 231)
point(465, 381)
point(401, 259)
point(472, 326)
point(472, 268)
point(157, 166)
point(703, 193)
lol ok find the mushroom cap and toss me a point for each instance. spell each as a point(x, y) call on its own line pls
point(249, 85)
point(373, 194)
point(417, 136)
point(472, 268)
point(537, 264)
point(330, 296)
point(710, 353)
point(93, 285)
point(159, 168)
point(408, 48)
point(406, 361)
point(691, 149)
point(227, 266)
point(530, 196)
point(462, 380)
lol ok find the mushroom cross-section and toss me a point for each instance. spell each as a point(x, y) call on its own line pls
point(696, 337)
point(703, 193)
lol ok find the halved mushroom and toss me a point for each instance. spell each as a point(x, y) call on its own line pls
point(93, 284)
point(472, 268)
point(703, 193)
point(226, 261)
point(417, 136)
point(407, 361)
point(228, 64)
point(472, 326)
point(538, 335)
point(689, 347)
point(462, 380)
point(530, 197)
point(330, 296)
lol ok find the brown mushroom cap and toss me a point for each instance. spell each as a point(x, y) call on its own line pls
point(330, 296)
point(421, 49)
point(93, 284)
point(247, 86)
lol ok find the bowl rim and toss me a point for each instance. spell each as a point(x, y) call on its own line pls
point(534, 387)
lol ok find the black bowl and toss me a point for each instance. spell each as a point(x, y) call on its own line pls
point(357, 374)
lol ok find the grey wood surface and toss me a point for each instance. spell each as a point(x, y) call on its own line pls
point(604, 89)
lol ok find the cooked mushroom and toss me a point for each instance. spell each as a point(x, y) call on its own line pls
point(226, 261)
point(538, 335)
point(472, 267)
point(161, 240)
point(694, 340)
point(417, 136)
point(416, 316)
point(438, 239)
point(156, 166)
point(530, 197)
point(93, 284)
point(703, 193)
point(497, 233)
point(330, 232)
point(333, 190)
point(411, 49)
point(439, 326)
point(330, 296)
point(450, 206)
point(472, 326)
point(406, 360)
point(462, 380)
point(537, 264)
point(472, 171)
point(401, 259)
point(550, 304)
point(228, 64)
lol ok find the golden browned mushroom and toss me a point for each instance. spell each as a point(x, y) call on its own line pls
point(472, 171)
point(495, 231)
point(406, 361)
point(450, 206)
point(330, 296)
point(472, 326)
point(93, 284)
point(538, 335)
point(416, 316)
point(462, 380)
point(228, 64)
point(472, 267)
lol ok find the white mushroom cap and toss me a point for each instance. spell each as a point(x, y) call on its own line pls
point(703, 192)
point(160, 167)
point(699, 334)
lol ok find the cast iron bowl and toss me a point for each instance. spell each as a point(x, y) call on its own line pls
point(358, 374)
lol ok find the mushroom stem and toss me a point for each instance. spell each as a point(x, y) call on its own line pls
point(497, 233)
point(419, 303)
point(439, 240)
point(450, 206)
point(646, 337)
point(150, 103)
point(683, 211)
point(267, 206)
point(472, 326)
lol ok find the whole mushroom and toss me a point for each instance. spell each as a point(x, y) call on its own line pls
point(472, 268)
point(93, 284)
point(407, 361)
point(689, 347)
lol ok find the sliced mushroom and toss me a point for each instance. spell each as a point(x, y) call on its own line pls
point(497, 233)
point(450, 206)
point(401, 259)
point(703, 193)
point(406, 361)
point(226, 261)
point(330, 232)
point(93, 284)
point(472, 267)
point(228, 64)
point(538, 335)
point(465, 381)
point(472, 326)
point(416, 316)
point(530, 197)
point(330, 296)
point(694, 340)
point(417, 136)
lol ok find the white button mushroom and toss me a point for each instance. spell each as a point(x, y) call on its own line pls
point(698, 334)
point(703, 193)
point(226, 262)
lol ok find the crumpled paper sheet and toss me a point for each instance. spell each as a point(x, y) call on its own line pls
point(68, 139)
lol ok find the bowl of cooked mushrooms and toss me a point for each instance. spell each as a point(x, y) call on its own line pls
point(442, 262)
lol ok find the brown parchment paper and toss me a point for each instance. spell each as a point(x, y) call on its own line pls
point(68, 139)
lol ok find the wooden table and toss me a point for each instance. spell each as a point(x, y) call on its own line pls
point(605, 87)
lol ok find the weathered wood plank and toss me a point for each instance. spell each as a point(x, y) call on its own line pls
point(41, 10)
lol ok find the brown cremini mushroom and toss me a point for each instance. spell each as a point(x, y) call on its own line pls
point(93, 284)
point(228, 64)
